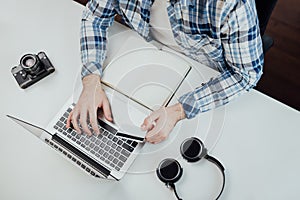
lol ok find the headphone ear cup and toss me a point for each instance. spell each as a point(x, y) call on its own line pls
point(192, 149)
point(169, 171)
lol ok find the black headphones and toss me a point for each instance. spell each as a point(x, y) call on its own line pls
point(192, 149)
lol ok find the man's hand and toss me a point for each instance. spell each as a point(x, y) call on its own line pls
point(92, 97)
point(161, 122)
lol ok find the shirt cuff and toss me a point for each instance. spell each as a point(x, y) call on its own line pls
point(91, 68)
point(189, 104)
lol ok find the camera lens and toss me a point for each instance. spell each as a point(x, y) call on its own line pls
point(30, 63)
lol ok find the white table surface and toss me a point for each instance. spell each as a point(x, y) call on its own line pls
point(256, 137)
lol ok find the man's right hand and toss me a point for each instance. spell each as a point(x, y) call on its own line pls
point(91, 98)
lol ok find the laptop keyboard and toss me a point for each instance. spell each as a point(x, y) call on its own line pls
point(106, 146)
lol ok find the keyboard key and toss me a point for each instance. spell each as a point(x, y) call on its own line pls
point(117, 154)
point(105, 155)
point(128, 141)
point(97, 142)
point(107, 161)
point(125, 153)
point(107, 148)
point(117, 168)
point(102, 145)
point(127, 147)
point(97, 155)
point(120, 142)
point(101, 130)
point(120, 164)
point(100, 136)
point(96, 148)
point(110, 136)
point(101, 151)
point(113, 146)
point(122, 158)
point(115, 139)
point(109, 143)
point(111, 151)
point(115, 161)
point(92, 145)
point(60, 124)
point(112, 164)
point(134, 144)
point(110, 157)
point(119, 149)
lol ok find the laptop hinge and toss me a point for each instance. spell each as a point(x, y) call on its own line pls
point(101, 169)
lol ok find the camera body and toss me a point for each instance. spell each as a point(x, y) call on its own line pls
point(31, 69)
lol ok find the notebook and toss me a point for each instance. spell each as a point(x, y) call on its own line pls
point(145, 73)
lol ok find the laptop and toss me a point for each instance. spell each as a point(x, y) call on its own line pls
point(108, 155)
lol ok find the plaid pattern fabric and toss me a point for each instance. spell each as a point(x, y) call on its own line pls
point(225, 32)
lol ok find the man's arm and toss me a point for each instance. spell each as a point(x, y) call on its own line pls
point(243, 55)
point(96, 19)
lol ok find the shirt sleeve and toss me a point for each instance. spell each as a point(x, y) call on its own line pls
point(243, 55)
point(96, 18)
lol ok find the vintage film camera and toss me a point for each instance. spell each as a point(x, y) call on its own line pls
point(31, 69)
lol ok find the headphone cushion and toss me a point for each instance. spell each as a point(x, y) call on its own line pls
point(169, 171)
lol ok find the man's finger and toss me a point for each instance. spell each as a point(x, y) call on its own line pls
point(94, 123)
point(68, 125)
point(106, 110)
point(150, 121)
point(75, 122)
point(83, 123)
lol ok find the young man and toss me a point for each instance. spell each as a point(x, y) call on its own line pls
point(222, 34)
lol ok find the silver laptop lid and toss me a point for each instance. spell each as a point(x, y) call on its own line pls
point(35, 130)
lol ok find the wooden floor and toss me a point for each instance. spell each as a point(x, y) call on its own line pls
point(281, 79)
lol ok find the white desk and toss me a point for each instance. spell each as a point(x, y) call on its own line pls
point(258, 144)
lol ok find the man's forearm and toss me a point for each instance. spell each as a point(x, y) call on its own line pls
point(96, 19)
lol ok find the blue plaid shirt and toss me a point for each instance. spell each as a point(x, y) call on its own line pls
point(226, 32)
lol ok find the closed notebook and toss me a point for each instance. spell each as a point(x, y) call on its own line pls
point(145, 73)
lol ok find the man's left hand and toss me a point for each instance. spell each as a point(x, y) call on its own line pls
point(161, 122)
